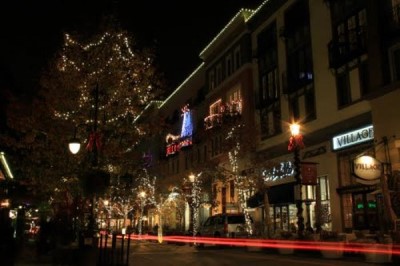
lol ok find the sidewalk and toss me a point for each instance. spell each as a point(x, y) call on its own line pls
point(69, 255)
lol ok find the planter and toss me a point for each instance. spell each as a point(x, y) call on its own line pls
point(378, 257)
point(333, 253)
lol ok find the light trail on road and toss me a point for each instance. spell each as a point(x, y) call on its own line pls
point(393, 249)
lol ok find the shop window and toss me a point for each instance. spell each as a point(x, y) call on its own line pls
point(347, 207)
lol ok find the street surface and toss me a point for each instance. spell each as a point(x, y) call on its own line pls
point(151, 253)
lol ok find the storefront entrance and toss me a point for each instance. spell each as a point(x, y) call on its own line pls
point(283, 216)
point(365, 214)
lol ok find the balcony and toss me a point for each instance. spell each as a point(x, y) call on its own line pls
point(228, 113)
point(342, 52)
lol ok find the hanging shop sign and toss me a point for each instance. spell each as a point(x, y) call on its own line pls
point(308, 173)
point(353, 137)
point(367, 170)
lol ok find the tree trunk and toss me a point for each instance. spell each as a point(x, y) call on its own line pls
point(267, 220)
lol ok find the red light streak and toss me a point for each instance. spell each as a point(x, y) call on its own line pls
point(269, 243)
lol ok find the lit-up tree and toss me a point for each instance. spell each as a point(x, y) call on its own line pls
point(244, 184)
point(144, 193)
point(103, 81)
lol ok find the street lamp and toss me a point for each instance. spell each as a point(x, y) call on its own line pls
point(92, 146)
point(74, 145)
point(295, 144)
point(94, 138)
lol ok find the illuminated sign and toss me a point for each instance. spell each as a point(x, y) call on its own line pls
point(353, 137)
point(367, 169)
point(177, 142)
point(276, 173)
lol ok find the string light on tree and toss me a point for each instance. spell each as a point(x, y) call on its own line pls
point(126, 76)
point(241, 181)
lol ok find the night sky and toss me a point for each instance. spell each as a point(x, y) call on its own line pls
point(31, 32)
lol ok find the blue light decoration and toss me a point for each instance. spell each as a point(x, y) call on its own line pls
point(176, 143)
point(187, 127)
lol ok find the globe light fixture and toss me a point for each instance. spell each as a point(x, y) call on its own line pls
point(74, 145)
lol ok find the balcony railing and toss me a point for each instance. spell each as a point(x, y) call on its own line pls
point(212, 121)
point(228, 113)
point(342, 52)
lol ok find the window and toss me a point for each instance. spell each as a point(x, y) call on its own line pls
point(229, 65)
point(323, 196)
point(234, 103)
point(211, 80)
point(238, 58)
point(268, 101)
point(347, 204)
point(363, 70)
point(343, 89)
point(310, 105)
point(232, 190)
point(294, 108)
point(215, 108)
point(270, 121)
point(394, 60)
point(198, 155)
point(350, 34)
point(219, 74)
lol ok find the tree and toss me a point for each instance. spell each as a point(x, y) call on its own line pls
point(126, 79)
point(100, 85)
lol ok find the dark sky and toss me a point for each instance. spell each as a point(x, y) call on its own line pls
point(31, 31)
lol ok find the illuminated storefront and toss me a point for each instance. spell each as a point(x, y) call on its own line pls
point(358, 179)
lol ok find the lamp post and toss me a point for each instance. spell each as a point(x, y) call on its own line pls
point(295, 144)
point(92, 146)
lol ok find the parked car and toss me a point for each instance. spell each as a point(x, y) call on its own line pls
point(225, 225)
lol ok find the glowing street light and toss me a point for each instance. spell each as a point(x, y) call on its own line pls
point(295, 144)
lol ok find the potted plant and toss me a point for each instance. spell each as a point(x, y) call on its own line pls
point(333, 246)
point(287, 238)
point(380, 249)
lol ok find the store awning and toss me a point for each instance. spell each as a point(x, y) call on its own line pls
point(276, 195)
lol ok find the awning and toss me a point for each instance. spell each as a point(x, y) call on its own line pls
point(276, 195)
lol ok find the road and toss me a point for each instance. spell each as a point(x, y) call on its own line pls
point(151, 253)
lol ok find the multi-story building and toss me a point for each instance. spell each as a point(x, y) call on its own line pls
point(330, 66)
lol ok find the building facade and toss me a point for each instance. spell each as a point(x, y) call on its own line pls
point(330, 66)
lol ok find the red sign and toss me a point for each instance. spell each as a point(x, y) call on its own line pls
point(308, 173)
